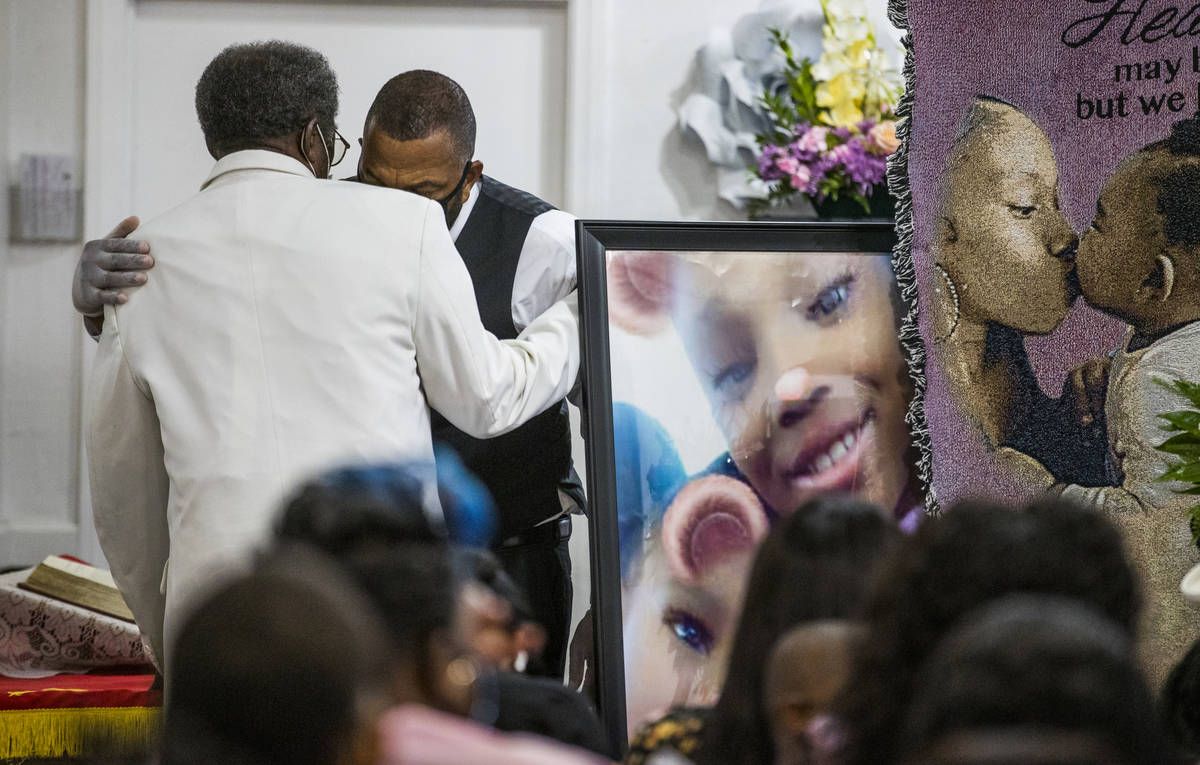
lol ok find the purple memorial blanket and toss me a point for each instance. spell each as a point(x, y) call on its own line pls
point(1049, 212)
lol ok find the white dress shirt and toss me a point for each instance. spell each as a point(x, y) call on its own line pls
point(546, 269)
point(545, 275)
point(283, 333)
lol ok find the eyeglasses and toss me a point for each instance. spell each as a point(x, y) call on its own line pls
point(340, 147)
point(458, 187)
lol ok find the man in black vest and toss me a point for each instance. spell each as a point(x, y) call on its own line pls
point(419, 136)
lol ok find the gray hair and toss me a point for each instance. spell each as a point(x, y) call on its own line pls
point(263, 90)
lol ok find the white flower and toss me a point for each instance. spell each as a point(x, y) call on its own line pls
point(842, 9)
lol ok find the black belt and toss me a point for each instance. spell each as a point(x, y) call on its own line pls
point(545, 534)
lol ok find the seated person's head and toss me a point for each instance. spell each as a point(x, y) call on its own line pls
point(806, 671)
point(815, 564)
point(515, 636)
point(419, 136)
point(271, 95)
point(953, 564)
point(415, 589)
point(285, 665)
point(1140, 260)
point(378, 505)
point(381, 524)
point(1180, 701)
point(372, 506)
point(1032, 679)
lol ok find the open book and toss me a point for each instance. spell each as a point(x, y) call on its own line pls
point(77, 583)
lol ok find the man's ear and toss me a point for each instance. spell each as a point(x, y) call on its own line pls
point(473, 176)
point(313, 149)
point(1160, 282)
point(639, 291)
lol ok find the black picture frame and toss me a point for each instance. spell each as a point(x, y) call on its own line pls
point(594, 238)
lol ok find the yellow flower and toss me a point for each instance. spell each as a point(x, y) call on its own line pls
point(842, 97)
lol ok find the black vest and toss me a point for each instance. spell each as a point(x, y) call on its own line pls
point(524, 468)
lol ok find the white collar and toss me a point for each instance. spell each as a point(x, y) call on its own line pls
point(256, 159)
point(461, 221)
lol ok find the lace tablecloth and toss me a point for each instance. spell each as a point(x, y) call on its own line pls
point(41, 636)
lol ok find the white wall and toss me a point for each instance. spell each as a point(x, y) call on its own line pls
point(510, 58)
point(41, 68)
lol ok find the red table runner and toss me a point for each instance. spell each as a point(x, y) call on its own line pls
point(78, 691)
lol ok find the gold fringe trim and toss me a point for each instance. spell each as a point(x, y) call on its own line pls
point(75, 732)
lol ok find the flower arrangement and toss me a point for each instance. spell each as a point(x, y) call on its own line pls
point(831, 124)
point(1185, 445)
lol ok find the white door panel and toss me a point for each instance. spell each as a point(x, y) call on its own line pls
point(509, 58)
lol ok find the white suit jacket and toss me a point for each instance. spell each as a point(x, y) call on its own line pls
point(290, 324)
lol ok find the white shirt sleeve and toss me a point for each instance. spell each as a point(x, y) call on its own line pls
point(482, 385)
point(1134, 402)
point(129, 484)
point(546, 270)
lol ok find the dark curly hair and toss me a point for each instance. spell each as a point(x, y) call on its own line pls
point(415, 588)
point(418, 104)
point(274, 666)
point(369, 506)
point(1178, 199)
point(972, 554)
point(1179, 205)
point(1042, 663)
point(257, 91)
point(814, 564)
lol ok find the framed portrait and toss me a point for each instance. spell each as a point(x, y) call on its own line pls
point(732, 373)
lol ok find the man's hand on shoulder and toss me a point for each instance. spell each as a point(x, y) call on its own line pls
point(106, 268)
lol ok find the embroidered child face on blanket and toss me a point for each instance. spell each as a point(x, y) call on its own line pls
point(1140, 259)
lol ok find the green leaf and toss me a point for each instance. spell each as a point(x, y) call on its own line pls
point(858, 197)
point(1185, 422)
point(804, 93)
point(1188, 472)
point(1194, 523)
point(1186, 445)
point(1194, 491)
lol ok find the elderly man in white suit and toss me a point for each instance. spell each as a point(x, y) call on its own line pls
point(293, 322)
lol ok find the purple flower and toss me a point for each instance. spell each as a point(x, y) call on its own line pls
point(863, 169)
point(810, 165)
point(768, 168)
